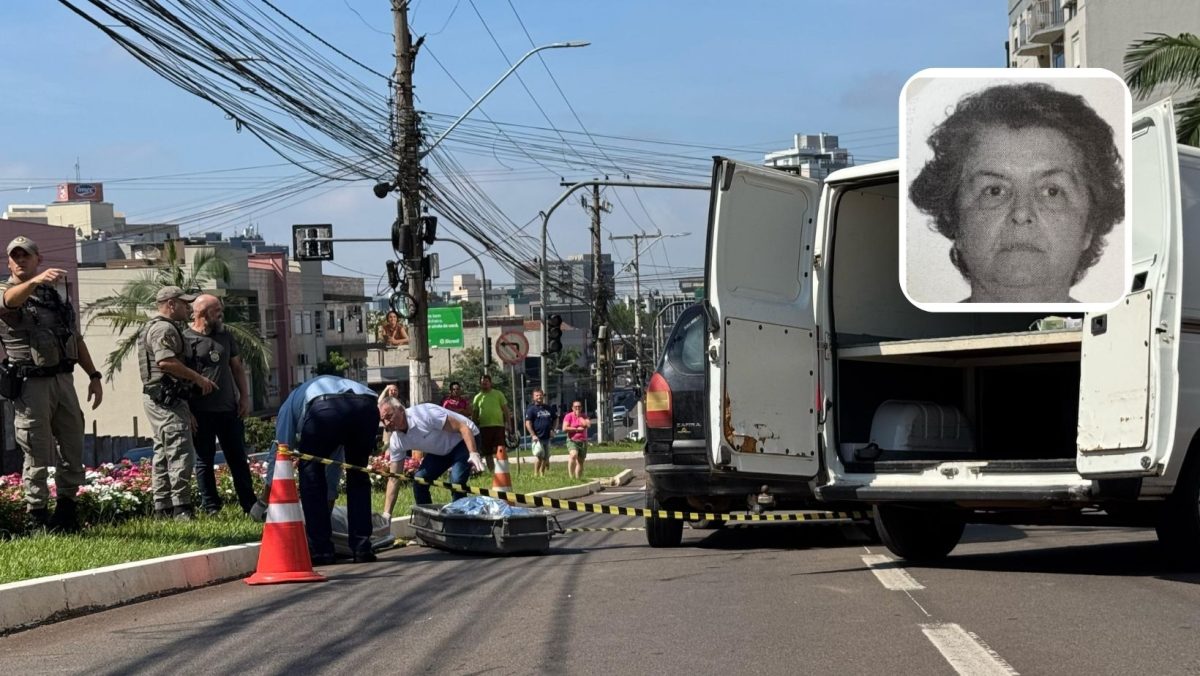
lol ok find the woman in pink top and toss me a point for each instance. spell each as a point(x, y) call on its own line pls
point(576, 424)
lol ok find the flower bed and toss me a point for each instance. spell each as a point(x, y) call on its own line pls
point(111, 492)
point(116, 491)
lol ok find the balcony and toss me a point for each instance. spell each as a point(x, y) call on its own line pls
point(1045, 24)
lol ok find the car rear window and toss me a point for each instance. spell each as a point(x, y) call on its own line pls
point(686, 349)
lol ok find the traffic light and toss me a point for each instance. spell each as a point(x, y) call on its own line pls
point(553, 334)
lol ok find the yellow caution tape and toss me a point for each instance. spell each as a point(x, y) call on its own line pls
point(594, 508)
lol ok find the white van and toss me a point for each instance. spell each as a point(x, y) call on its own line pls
point(820, 367)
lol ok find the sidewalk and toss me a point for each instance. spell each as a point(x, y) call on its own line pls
point(31, 602)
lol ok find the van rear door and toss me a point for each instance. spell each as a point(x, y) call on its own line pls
point(762, 380)
point(1128, 389)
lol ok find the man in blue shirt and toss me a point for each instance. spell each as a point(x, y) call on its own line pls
point(539, 422)
point(317, 417)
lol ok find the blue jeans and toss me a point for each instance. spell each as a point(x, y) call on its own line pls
point(349, 421)
point(433, 466)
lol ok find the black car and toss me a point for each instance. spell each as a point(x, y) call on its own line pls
point(679, 476)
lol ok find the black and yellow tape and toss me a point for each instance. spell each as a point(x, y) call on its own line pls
point(594, 508)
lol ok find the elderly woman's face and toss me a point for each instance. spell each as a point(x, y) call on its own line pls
point(1023, 213)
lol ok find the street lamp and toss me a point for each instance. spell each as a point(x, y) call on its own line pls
point(535, 50)
point(487, 354)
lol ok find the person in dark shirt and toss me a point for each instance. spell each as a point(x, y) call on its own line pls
point(539, 422)
point(219, 413)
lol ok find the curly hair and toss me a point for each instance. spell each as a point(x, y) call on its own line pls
point(1021, 106)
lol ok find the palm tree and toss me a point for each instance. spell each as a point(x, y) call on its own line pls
point(1169, 60)
point(134, 305)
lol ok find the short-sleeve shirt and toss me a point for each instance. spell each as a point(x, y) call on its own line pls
point(459, 405)
point(163, 340)
point(572, 420)
point(427, 432)
point(488, 409)
point(541, 418)
point(212, 353)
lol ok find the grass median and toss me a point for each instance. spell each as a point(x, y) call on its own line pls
point(143, 538)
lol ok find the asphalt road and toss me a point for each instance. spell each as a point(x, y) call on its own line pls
point(803, 598)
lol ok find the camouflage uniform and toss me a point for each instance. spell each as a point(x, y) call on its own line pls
point(41, 341)
point(169, 416)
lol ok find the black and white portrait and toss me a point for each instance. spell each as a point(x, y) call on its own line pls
point(1016, 189)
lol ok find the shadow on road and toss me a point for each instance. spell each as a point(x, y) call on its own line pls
point(1132, 559)
point(784, 536)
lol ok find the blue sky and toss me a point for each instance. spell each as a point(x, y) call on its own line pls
point(730, 78)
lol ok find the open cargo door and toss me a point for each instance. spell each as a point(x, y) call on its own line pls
point(762, 353)
point(1128, 387)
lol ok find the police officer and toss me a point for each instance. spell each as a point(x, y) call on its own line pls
point(38, 330)
point(167, 380)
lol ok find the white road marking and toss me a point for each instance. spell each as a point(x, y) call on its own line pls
point(966, 652)
point(891, 574)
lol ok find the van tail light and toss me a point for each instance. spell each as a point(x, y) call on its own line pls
point(658, 403)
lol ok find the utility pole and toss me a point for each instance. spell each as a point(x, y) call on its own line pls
point(639, 366)
point(637, 295)
point(408, 208)
point(600, 323)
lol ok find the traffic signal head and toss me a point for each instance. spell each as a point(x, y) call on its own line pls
point(553, 334)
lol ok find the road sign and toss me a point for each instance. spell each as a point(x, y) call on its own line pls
point(445, 327)
point(512, 347)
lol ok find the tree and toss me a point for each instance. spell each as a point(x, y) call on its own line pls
point(133, 305)
point(468, 367)
point(336, 365)
point(565, 363)
point(1169, 60)
point(471, 310)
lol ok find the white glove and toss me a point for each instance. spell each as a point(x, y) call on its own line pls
point(476, 462)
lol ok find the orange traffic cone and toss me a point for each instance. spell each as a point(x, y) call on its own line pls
point(501, 481)
point(283, 556)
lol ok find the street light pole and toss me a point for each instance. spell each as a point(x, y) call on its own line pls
point(408, 155)
point(571, 188)
point(487, 354)
point(535, 50)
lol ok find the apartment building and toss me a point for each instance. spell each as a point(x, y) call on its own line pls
point(811, 156)
point(1092, 33)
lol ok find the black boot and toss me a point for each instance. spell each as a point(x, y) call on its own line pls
point(184, 513)
point(39, 518)
point(66, 517)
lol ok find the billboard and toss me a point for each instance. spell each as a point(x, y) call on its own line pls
point(445, 327)
point(80, 192)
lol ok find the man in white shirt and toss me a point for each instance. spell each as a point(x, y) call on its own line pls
point(446, 438)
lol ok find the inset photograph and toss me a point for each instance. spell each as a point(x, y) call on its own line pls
point(1015, 189)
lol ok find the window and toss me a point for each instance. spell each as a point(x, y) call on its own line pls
point(306, 322)
point(1076, 54)
point(1057, 56)
point(686, 346)
point(297, 323)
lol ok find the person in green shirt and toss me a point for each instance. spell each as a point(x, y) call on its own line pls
point(489, 408)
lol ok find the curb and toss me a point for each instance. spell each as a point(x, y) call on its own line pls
point(42, 599)
point(46, 599)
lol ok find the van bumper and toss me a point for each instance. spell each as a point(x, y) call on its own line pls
point(991, 496)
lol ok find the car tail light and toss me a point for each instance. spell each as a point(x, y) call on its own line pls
point(658, 402)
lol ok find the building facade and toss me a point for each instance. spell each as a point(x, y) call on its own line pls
point(812, 156)
point(1092, 33)
point(568, 280)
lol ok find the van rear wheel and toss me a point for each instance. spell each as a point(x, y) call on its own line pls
point(662, 532)
point(1178, 524)
point(916, 534)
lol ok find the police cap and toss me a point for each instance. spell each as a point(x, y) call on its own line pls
point(23, 242)
point(169, 292)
